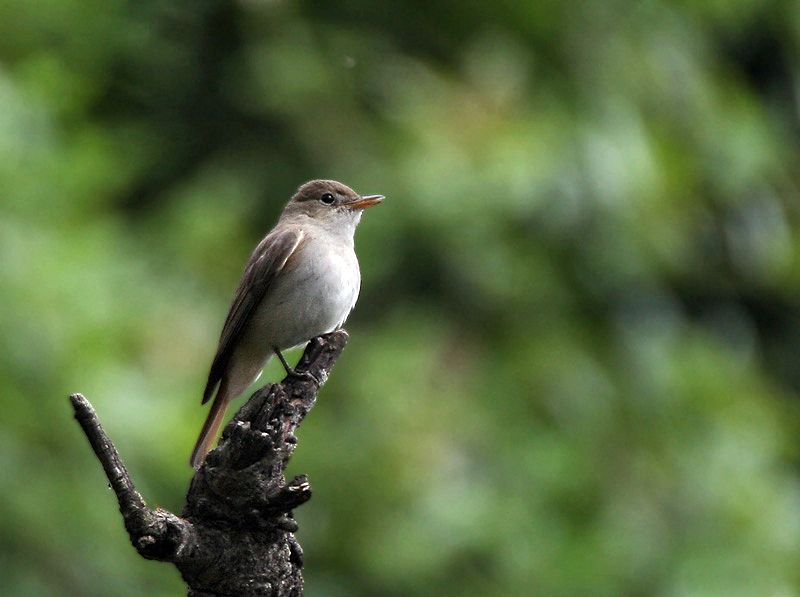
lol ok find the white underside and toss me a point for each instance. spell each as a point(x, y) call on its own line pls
point(314, 298)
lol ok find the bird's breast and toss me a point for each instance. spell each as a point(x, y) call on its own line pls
point(312, 296)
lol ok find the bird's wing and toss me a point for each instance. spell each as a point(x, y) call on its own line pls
point(266, 262)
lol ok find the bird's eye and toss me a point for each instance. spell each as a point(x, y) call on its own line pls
point(327, 198)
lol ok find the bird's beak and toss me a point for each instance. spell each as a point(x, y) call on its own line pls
point(365, 202)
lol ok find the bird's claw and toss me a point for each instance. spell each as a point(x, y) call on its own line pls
point(302, 375)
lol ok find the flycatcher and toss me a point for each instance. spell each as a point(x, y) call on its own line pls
point(301, 281)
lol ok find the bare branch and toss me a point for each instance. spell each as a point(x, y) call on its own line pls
point(156, 534)
point(235, 535)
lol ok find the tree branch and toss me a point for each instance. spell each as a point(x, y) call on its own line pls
point(235, 534)
point(156, 534)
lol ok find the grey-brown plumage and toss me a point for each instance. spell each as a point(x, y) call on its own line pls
point(301, 281)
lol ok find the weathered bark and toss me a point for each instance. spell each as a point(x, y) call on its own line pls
point(235, 534)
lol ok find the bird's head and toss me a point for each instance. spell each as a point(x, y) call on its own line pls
point(330, 202)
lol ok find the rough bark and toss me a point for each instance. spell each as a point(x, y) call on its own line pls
point(235, 535)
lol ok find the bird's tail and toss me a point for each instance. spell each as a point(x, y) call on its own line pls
point(209, 432)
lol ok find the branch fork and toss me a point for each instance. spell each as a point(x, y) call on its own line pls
point(235, 534)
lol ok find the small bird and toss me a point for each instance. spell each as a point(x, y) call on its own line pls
point(301, 281)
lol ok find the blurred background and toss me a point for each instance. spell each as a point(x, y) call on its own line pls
point(573, 368)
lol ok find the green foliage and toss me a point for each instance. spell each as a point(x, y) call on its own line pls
point(572, 369)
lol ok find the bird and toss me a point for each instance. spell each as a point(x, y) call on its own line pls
point(301, 281)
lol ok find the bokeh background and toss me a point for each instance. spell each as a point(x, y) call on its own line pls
point(573, 369)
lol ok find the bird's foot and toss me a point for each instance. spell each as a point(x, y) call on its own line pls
point(290, 372)
point(303, 375)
